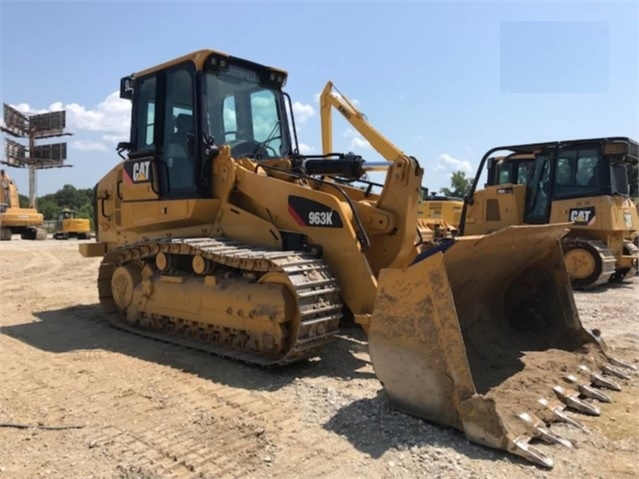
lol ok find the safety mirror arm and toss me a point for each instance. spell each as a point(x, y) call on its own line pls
point(124, 146)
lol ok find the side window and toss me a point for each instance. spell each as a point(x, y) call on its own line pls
point(538, 196)
point(144, 134)
point(524, 172)
point(577, 173)
point(504, 176)
point(266, 122)
point(499, 171)
point(587, 168)
point(179, 133)
point(150, 124)
point(229, 119)
point(563, 172)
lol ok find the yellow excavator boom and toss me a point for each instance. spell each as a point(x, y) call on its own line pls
point(13, 219)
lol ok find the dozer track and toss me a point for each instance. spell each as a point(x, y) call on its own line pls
point(589, 263)
point(258, 306)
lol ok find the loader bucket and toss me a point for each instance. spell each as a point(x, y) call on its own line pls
point(481, 334)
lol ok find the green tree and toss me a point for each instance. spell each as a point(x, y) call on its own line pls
point(23, 200)
point(459, 185)
point(48, 207)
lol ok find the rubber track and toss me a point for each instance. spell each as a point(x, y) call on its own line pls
point(319, 303)
point(606, 257)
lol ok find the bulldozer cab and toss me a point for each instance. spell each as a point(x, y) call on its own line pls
point(557, 171)
point(182, 110)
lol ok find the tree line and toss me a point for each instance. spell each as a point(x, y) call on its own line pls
point(79, 200)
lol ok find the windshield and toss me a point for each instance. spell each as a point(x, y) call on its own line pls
point(245, 114)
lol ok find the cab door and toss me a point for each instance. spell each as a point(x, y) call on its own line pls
point(161, 174)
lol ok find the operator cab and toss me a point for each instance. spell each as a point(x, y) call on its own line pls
point(66, 215)
point(184, 109)
point(563, 170)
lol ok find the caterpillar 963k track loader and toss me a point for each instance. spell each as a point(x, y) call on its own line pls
point(580, 181)
point(216, 233)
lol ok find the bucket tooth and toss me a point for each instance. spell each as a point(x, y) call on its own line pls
point(621, 363)
point(557, 412)
point(571, 399)
point(598, 380)
point(613, 371)
point(520, 447)
point(586, 390)
point(540, 430)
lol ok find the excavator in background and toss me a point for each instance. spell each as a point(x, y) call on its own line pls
point(584, 182)
point(217, 234)
point(26, 222)
point(438, 216)
point(69, 225)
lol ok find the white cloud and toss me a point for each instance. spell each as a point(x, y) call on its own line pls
point(87, 145)
point(26, 108)
point(359, 143)
point(445, 162)
point(112, 117)
point(356, 143)
point(306, 149)
point(302, 112)
point(115, 139)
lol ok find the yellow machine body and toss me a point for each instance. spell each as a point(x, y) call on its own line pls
point(15, 220)
point(441, 214)
point(582, 182)
point(70, 226)
point(232, 242)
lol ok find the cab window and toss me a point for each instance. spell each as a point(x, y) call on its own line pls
point(179, 133)
point(145, 115)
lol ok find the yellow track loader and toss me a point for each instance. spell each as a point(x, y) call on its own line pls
point(218, 234)
point(583, 182)
point(26, 222)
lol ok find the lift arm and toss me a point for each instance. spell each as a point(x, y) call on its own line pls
point(330, 98)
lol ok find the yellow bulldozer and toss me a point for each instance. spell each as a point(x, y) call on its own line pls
point(216, 233)
point(584, 182)
point(26, 222)
point(442, 213)
point(69, 225)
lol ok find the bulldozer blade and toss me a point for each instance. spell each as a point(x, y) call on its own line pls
point(478, 332)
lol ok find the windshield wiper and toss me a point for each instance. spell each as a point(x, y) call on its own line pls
point(267, 140)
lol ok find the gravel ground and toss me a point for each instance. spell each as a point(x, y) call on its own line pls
point(147, 409)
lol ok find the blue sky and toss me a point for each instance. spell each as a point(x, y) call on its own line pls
point(445, 81)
